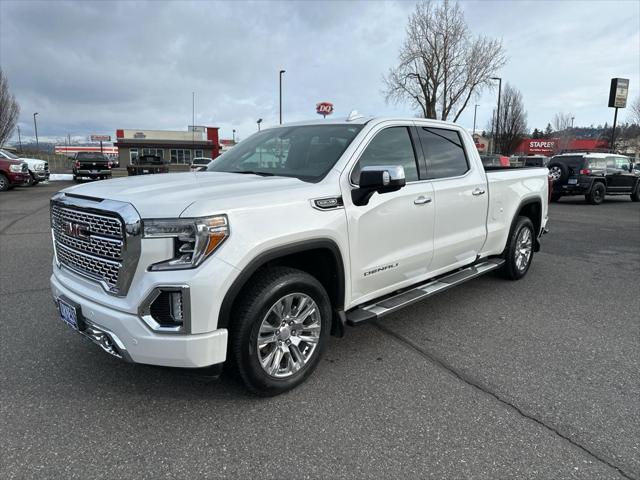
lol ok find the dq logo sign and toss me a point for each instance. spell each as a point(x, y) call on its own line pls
point(324, 108)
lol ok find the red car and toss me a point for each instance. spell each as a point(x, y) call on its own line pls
point(13, 173)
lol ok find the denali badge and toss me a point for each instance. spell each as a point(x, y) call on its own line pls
point(76, 230)
point(380, 269)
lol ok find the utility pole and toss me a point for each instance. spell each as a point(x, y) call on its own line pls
point(193, 123)
point(475, 112)
point(259, 122)
point(281, 72)
point(35, 125)
point(497, 133)
point(19, 139)
point(572, 118)
point(234, 136)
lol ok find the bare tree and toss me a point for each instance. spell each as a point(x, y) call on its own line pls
point(561, 125)
point(513, 120)
point(634, 111)
point(441, 65)
point(9, 110)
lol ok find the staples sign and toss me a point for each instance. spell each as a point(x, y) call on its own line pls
point(541, 145)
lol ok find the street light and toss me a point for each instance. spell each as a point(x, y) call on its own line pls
point(475, 112)
point(572, 121)
point(498, 112)
point(281, 72)
point(234, 136)
point(35, 125)
point(259, 122)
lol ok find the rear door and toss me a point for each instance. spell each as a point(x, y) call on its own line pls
point(460, 198)
point(615, 178)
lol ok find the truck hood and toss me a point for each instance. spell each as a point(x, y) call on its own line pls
point(169, 195)
point(32, 162)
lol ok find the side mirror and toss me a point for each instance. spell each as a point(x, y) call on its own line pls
point(381, 179)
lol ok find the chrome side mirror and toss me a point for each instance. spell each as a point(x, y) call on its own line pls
point(379, 178)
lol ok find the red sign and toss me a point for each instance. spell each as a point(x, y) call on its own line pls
point(552, 146)
point(324, 108)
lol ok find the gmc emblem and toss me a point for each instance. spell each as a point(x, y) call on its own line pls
point(75, 230)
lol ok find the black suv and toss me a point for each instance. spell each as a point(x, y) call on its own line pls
point(593, 175)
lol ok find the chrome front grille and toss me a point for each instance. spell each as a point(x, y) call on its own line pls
point(98, 239)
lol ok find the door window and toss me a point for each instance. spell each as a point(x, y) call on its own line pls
point(444, 152)
point(133, 155)
point(391, 146)
point(622, 163)
point(611, 163)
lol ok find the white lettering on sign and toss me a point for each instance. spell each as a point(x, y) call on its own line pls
point(538, 144)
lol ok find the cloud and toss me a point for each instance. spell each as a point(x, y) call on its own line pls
point(93, 67)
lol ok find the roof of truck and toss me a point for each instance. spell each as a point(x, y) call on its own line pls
point(361, 120)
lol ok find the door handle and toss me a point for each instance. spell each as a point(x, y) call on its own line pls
point(421, 200)
point(477, 191)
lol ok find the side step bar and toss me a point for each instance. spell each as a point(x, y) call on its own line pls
point(381, 307)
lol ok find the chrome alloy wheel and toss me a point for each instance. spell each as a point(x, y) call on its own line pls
point(524, 243)
point(555, 173)
point(288, 335)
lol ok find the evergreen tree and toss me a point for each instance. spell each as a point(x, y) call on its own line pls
point(548, 131)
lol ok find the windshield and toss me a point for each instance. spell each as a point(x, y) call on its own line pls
point(201, 161)
point(306, 152)
point(90, 156)
point(10, 155)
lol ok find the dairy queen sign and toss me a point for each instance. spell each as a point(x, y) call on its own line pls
point(324, 108)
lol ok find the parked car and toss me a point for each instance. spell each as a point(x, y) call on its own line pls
point(13, 173)
point(91, 165)
point(38, 169)
point(148, 164)
point(534, 160)
point(199, 163)
point(495, 161)
point(258, 259)
point(593, 175)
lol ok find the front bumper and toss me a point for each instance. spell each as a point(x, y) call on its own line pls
point(133, 341)
point(92, 173)
point(40, 175)
point(17, 178)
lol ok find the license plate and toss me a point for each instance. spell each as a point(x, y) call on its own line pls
point(94, 171)
point(68, 314)
point(573, 181)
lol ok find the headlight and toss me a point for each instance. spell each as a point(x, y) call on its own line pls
point(194, 239)
point(15, 168)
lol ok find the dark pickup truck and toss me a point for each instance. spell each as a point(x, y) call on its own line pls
point(92, 166)
point(148, 164)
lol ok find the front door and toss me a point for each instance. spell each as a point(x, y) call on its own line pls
point(390, 238)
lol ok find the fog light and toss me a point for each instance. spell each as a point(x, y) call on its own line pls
point(167, 310)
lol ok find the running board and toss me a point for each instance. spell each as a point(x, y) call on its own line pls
point(381, 307)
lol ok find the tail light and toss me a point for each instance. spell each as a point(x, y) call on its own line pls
point(109, 165)
point(585, 171)
point(77, 164)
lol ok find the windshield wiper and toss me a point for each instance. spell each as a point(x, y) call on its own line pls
point(251, 172)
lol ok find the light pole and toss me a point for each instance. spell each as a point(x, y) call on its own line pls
point(35, 125)
point(475, 112)
point(497, 132)
point(281, 72)
point(572, 121)
point(234, 136)
point(259, 122)
point(19, 138)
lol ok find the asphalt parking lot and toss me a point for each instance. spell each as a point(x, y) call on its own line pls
point(532, 379)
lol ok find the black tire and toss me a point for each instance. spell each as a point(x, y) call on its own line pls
point(75, 179)
point(31, 181)
point(4, 183)
point(596, 195)
point(555, 197)
point(564, 172)
point(635, 196)
point(259, 295)
point(512, 269)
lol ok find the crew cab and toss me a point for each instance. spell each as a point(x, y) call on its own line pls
point(92, 166)
point(593, 175)
point(38, 169)
point(13, 173)
point(298, 232)
point(147, 165)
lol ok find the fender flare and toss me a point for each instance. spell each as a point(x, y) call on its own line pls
point(224, 316)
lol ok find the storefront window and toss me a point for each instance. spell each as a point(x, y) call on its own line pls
point(198, 154)
point(181, 156)
point(133, 154)
point(153, 151)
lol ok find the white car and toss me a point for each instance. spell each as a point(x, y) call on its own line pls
point(199, 163)
point(38, 169)
point(296, 233)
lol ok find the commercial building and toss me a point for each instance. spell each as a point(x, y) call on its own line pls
point(176, 147)
point(553, 146)
point(70, 151)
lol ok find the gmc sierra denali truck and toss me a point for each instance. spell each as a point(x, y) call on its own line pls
point(296, 233)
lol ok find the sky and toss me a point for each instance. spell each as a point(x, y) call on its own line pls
point(93, 67)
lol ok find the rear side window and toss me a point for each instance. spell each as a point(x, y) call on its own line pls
point(572, 161)
point(444, 152)
point(391, 146)
point(597, 163)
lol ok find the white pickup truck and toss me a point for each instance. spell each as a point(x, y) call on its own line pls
point(297, 232)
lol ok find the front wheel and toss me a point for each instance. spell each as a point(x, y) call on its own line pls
point(30, 181)
point(518, 253)
point(4, 183)
point(281, 327)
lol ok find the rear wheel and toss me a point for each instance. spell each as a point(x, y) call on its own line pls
point(4, 183)
point(281, 327)
point(559, 172)
point(635, 196)
point(518, 253)
point(596, 195)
